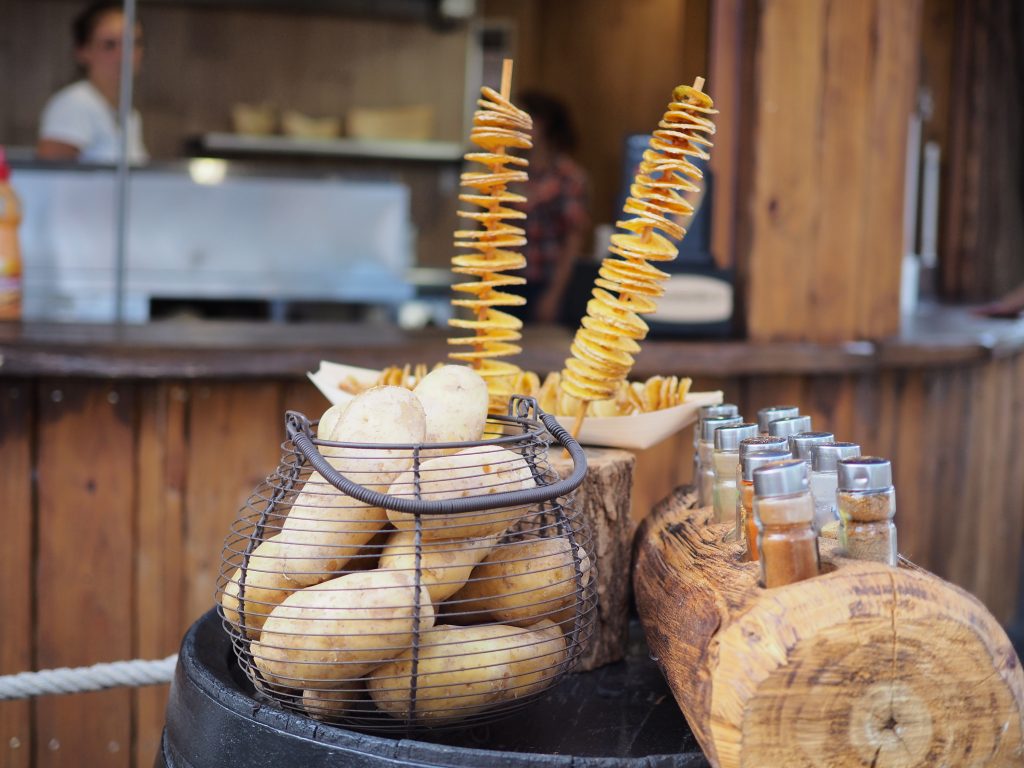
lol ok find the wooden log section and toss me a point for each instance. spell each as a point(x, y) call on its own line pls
point(603, 501)
point(863, 665)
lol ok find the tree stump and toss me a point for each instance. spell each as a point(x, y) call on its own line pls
point(863, 665)
point(604, 500)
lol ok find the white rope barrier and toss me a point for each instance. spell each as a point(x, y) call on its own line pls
point(80, 679)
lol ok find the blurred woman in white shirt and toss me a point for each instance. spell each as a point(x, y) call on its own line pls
point(79, 122)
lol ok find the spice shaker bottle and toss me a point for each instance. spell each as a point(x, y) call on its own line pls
point(726, 460)
point(784, 513)
point(766, 416)
point(705, 450)
point(706, 412)
point(754, 456)
point(867, 505)
point(801, 443)
point(790, 425)
point(824, 479)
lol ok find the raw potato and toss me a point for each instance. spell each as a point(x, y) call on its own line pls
point(464, 670)
point(454, 398)
point(445, 564)
point(265, 588)
point(522, 582)
point(327, 427)
point(474, 471)
point(345, 699)
point(379, 415)
point(323, 532)
point(341, 629)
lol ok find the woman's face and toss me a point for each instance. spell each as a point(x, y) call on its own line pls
point(101, 56)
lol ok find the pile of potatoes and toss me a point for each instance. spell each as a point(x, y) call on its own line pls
point(331, 602)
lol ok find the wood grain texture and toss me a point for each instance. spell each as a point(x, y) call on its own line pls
point(84, 571)
point(604, 502)
point(895, 40)
point(827, 176)
point(726, 41)
point(938, 34)
point(943, 336)
point(16, 592)
point(786, 183)
point(303, 397)
point(982, 230)
point(235, 432)
point(159, 518)
point(861, 665)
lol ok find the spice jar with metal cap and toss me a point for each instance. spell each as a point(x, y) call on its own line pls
point(705, 450)
point(784, 512)
point(867, 506)
point(766, 416)
point(726, 460)
point(754, 453)
point(825, 458)
point(707, 412)
point(801, 443)
point(790, 425)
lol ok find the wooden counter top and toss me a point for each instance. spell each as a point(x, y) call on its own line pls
point(940, 336)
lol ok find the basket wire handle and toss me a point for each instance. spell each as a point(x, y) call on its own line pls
point(300, 433)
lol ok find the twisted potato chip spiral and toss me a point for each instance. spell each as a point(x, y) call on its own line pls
point(603, 348)
point(497, 126)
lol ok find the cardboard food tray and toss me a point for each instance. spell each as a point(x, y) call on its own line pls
point(632, 432)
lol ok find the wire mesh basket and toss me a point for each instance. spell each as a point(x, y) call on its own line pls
point(427, 586)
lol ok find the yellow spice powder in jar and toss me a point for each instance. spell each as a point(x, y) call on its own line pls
point(726, 460)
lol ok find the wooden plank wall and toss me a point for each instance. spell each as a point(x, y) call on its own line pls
point(835, 85)
point(17, 597)
point(982, 229)
point(113, 551)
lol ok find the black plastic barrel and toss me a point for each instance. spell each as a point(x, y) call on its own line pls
point(617, 716)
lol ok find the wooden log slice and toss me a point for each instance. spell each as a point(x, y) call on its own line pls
point(863, 665)
point(604, 500)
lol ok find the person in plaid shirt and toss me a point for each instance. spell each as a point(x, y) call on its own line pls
point(556, 209)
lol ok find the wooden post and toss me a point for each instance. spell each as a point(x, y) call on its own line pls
point(603, 500)
point(861, 665)
point(834, 88)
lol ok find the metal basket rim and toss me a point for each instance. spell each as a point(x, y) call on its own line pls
point(297, 427)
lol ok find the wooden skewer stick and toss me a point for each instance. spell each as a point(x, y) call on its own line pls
point(506, 79)
point(579, 420)
point(698, 83)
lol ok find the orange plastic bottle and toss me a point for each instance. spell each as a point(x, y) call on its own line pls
point(10, 255)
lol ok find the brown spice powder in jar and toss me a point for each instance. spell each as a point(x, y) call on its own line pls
point(788, 555)
point(867, 531)
point(788, 543)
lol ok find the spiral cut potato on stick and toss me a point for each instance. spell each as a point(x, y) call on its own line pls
point(497, 127)
point(627, 286)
